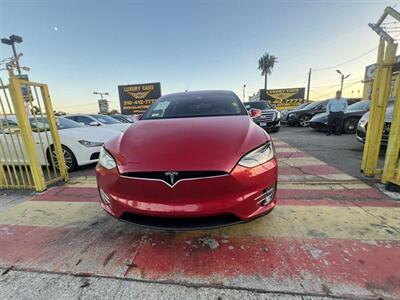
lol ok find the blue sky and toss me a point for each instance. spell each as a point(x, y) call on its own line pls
point(187, 44)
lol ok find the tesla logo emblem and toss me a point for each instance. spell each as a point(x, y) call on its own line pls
point(171, 176)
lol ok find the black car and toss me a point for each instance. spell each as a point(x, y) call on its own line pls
point(287, 111)
point(351, 117)
point(303, 115)
point(270, 119)
point(361, 132)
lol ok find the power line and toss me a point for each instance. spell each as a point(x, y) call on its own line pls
point(348, 81)
point(345, 87)
point(347, 61)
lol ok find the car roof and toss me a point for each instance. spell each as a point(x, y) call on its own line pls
point(201, 93)
point(74, 115)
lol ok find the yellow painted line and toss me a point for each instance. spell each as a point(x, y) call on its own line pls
point(52, 214)
point(287, 149)
point(322, 185)
point(82, 181)
point(301, 161)
point(321, 222)
point(330, 177)
point(367, 223)
point(283, 185)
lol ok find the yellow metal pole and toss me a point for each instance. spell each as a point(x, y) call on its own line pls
point(3, 178)
point(54, 131)
point(379, 101)
point(373, 106)
point(26, 132)
point(392, 151)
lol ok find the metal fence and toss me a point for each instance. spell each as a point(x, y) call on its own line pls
point(31, 154)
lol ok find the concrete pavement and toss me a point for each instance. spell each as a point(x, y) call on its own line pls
point(331, 235)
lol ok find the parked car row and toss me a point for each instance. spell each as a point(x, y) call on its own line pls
point(355, 118)
point(351, 117)
point(81, 135)
point(302, 115)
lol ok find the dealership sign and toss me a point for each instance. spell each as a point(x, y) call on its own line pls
point(136, 98)
point(371, 69)
point(284, 98)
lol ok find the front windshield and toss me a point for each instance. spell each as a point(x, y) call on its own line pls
point(311, 105)
point(105, 119)
point(42, 123)
point(195, 105)
point(257, 104)
point(362, 105)
point(302, 105)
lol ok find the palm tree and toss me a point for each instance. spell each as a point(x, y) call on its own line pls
point(266, 64)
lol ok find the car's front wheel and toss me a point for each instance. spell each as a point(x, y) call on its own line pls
point(350, 125)
point(69, 157)
point(304, 120)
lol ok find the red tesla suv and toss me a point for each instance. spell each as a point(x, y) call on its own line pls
point(194, 160)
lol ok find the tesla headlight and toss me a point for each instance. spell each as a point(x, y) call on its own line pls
point(90, 144)
point(106, 160)
point(258, 156)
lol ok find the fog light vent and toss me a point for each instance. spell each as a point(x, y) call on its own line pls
point(267, 196)
point(104, 197)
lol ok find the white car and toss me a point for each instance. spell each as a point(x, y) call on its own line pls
point(98, 120)
point(81, 144)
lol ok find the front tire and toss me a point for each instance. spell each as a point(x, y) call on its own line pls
point(350, 125)
point(69, 157)
point(304, 121)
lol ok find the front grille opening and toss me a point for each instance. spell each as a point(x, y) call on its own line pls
point(95, 156)
point(267, 195)
point(181, 223)
point(162, 175)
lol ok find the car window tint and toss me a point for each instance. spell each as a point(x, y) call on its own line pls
point(105, 119)
point(362, 105)
point(195, 105)
point(257, 104)
point(83, 120)
point(7, 126)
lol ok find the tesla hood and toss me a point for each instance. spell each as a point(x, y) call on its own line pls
point(204, 143)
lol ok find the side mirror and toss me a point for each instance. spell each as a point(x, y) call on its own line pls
point(255, 113)
point(15, 130)
point(94, 123)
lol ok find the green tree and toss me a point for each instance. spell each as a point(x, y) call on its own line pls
point(266, 64)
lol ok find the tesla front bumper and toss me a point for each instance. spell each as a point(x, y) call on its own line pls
point(240, 196)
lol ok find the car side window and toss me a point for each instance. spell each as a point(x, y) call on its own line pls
point(7, 126)
point(83, 120)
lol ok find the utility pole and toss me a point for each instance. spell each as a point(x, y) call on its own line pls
point(308, 85)
point(11, 42)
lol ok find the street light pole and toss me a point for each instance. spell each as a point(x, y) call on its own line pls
point(101, 101)
point(342, 78)
point(11, 42)
point(244, 92)
point(308, 85)
point(101, 94)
